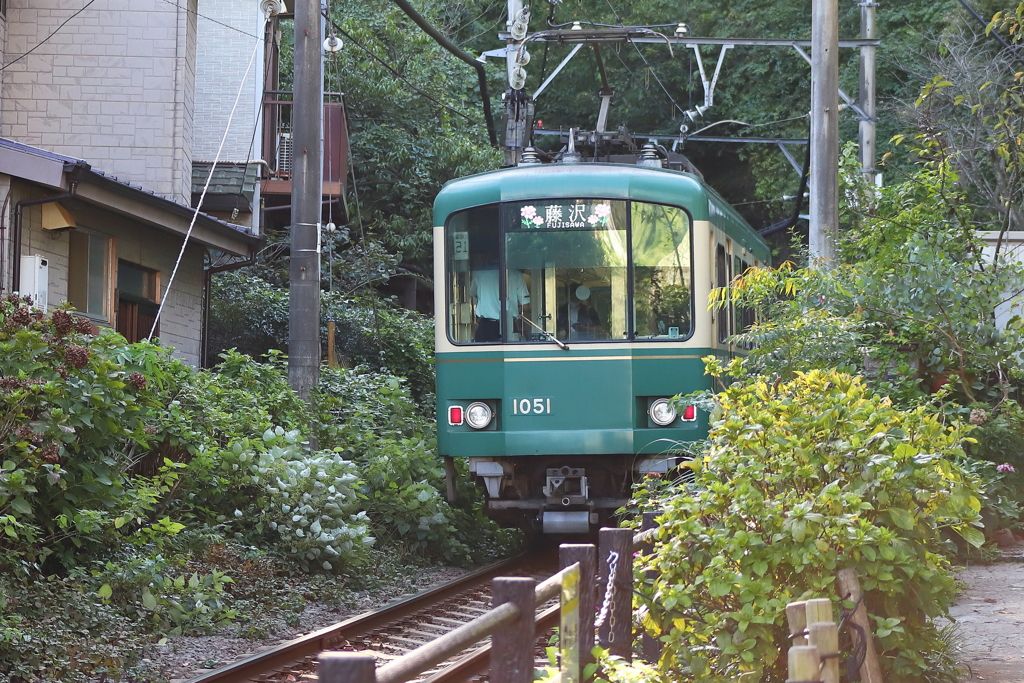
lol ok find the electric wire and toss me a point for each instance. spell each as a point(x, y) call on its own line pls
point(399, 76)
point(203, 16)
point(267, 59)
point(40, 43)
point(478, 17)
point(658, 80)
point(615, 12)
point(199, 204)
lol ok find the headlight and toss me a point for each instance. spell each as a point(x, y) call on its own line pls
point(662, 412)
point(478, 415)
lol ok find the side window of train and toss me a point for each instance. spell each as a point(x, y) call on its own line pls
point(746, 315)
point(566, 262)
point(662, 272)
point(722, 279)
point(471, 255)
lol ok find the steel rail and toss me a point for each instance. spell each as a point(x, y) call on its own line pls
point(316, 642)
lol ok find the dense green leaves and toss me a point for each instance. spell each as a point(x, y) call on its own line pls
point(803, 478)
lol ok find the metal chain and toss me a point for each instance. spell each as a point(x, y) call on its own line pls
point(609, 596)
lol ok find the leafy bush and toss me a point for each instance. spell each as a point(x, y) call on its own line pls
point(75, 422)
point(804, 478)
point(53, 630)
point(251, 315)
point(306, 499)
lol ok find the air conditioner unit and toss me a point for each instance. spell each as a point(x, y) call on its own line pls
point(35, 279)
point(285, 154)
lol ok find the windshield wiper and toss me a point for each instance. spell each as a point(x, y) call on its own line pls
point(550, 337)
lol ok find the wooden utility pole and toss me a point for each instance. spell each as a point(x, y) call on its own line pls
point(867, 91)
point(824, 204)
point(307, 182)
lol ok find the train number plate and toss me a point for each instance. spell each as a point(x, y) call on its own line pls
point(531, 406)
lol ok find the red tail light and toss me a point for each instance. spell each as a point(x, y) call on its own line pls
point(455, 415)
point(690, 414)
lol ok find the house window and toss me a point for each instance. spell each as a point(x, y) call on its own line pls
point(138, 291)
point(89, 273)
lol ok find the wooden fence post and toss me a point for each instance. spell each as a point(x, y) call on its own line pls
point(824, 636)
point(849, 589)
point(817, 610)
point(616, 632)
point(796, 615)
point(803, 664)
point(569, 628)
point(586, 555)
point(650, 645)
point(512, 646)
point(346, 667)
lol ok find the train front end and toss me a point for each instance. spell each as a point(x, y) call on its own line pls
point(570, 307)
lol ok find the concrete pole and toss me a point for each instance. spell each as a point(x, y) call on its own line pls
point(307, 187)
point(824, 204)
point(867, 91)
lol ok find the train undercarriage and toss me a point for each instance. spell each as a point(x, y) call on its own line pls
point(561, 494)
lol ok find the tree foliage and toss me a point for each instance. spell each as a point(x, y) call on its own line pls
point(803, 478)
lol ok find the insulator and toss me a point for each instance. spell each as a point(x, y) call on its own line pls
point(272, 7)
point(518, 78)
point(529, 157)
point(521, 24)
point(649, 156)
point(522, 57)
point(333, 44)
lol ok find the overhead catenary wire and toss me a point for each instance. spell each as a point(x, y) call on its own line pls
point(209, 179)
point(41, 42)
point(658, 80)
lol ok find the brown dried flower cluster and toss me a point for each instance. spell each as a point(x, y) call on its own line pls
point(978, 416)
point(84, 325)
point(50, 454)
point(77, 356)
point(138, 381)
point(63, 322)
point(19, 317)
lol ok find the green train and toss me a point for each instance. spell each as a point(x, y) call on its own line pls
point(571, 304)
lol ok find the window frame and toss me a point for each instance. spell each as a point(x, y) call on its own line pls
point(630, 275)
point(110, 292)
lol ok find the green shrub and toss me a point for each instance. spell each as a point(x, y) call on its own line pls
point(53, 630)
point(74, 425)
point(250, 314)
point(801, 479)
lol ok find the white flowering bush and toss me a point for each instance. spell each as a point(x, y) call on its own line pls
point(305, 501)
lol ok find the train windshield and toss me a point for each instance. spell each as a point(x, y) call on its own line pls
point(569, 269)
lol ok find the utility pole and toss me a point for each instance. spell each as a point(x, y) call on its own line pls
point(307, 187)
point(824, 204)
point(867, 91)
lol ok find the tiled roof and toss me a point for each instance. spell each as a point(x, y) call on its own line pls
point(150, 196)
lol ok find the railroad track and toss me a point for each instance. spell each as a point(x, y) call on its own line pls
point(399, 628)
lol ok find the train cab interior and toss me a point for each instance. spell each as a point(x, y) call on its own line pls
point(569, 269)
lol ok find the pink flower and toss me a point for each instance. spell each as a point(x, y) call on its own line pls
point(592, 219)
point(528, 211)
point(1005, 467)
point(537, 220)
point(602, 210)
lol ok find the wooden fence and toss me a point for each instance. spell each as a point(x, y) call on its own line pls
point(511, 622)
point(813, 656)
